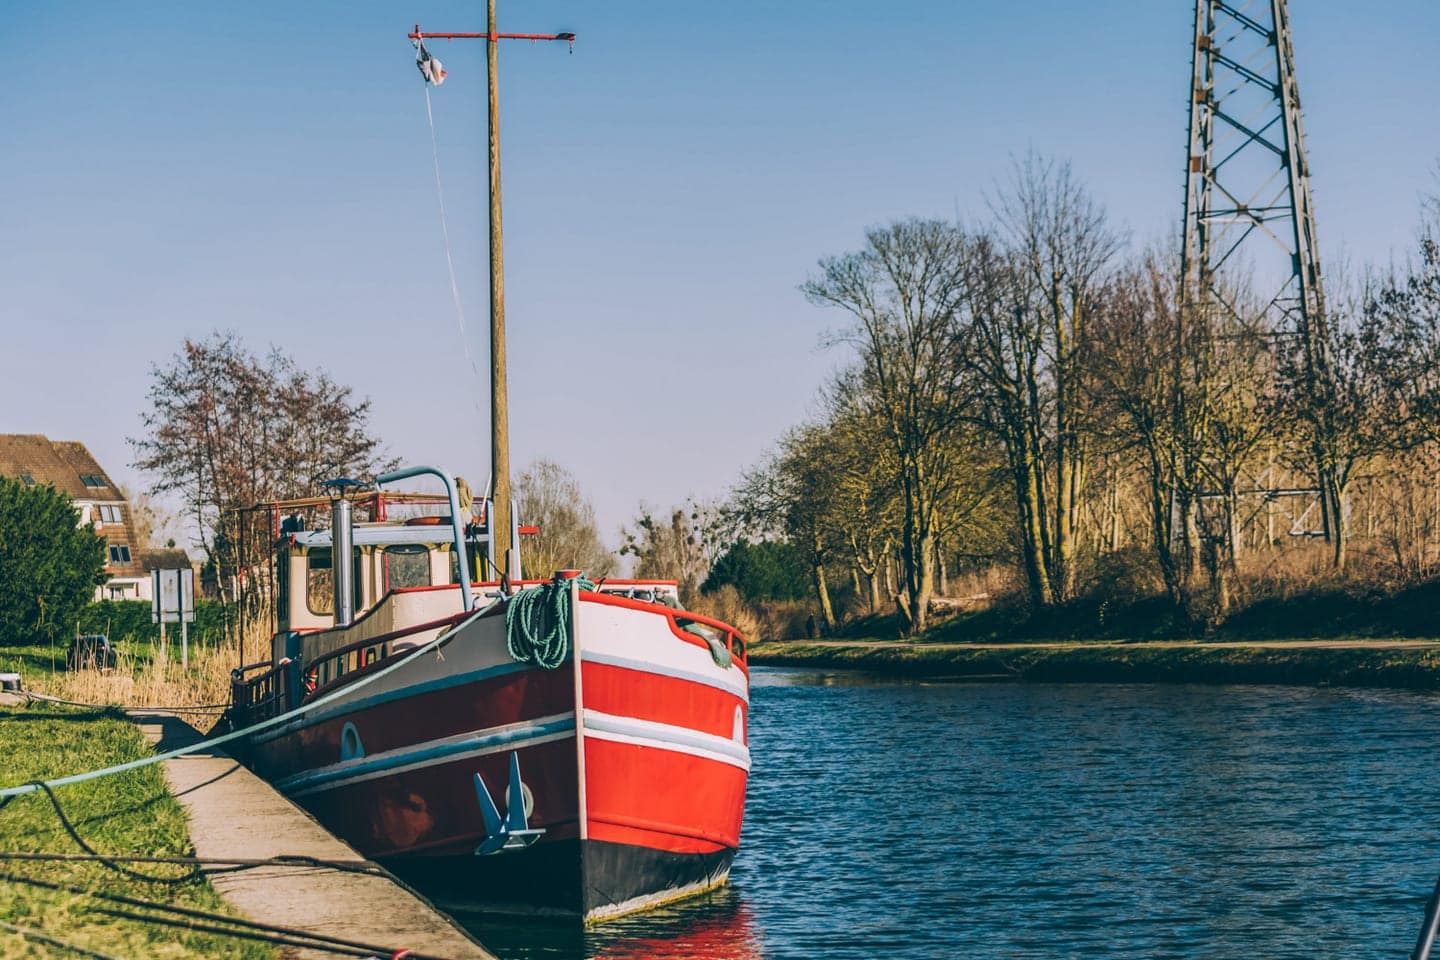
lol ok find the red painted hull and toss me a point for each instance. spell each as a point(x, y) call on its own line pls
point(633, 753)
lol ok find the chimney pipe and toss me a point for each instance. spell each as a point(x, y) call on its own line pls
point(342, 571)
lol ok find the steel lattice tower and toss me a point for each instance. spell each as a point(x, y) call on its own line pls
point(1248, 205)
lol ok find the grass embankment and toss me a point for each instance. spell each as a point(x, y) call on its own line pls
point(1353, 636)
point(145, 675)
point(126, 814)
point(1397, 663)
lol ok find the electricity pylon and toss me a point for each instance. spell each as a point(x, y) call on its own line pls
point(1249, 211)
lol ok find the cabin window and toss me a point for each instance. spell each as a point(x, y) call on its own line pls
point(407, 565)
point(319, 583)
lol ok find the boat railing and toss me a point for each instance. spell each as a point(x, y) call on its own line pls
point(259, 697)
point(733, 639)
point(330, 669)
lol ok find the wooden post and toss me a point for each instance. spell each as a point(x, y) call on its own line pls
point(499, 403)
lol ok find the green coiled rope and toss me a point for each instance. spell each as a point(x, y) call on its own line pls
point(537, 622)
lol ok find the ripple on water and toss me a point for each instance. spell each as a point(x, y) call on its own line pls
point(909, 820)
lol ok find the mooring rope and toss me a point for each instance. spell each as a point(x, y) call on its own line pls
point(537, 622)
point(39, 936)
point(345, 691)
point(187, 708)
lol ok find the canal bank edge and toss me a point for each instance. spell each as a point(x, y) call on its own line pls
point(1398, 664)
point(234, 814)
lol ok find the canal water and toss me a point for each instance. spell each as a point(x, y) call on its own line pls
point(906, 820)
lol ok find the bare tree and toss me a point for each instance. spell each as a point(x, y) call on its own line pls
point(902, 291)
point(227, 429)
point(668, 547)
point(548, 496)
point(1029, 293)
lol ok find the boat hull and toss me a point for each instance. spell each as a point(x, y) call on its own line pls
point(631, 756)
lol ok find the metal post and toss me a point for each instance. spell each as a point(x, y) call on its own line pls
point(512, 567)
point(341, 572)
point(457, 522)
point(1430, 928)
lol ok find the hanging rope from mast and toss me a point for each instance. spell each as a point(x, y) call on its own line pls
point(434, 73)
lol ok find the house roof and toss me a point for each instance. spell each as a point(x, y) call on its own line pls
point(64, 464)
point(67, 465)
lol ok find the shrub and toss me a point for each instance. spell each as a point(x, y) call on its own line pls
point(49, 566)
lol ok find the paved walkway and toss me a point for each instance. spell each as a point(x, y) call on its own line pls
point(234, 813)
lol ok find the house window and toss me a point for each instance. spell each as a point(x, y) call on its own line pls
point(119, 553)
point(92, 480)
point(109, 513)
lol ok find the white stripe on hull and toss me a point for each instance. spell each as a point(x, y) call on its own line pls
point(477, 743)
point(515, 736)
point(665, 736)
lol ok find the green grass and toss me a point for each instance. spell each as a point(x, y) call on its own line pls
point(127, 814)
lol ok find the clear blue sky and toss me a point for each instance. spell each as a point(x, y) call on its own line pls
point(171, 168)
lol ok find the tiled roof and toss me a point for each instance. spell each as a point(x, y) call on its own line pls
point(62, 463)
point(67, 465)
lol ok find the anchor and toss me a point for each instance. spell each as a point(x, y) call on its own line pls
point(513, 832)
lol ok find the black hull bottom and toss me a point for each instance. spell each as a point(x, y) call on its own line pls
point(588, 879)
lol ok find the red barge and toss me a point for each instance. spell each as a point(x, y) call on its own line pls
point(587, 769)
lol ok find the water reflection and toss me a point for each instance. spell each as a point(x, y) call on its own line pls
point(717, 926)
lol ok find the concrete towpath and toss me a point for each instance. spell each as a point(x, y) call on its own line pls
point(234, 813)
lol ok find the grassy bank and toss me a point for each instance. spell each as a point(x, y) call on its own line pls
point(145, 674)
point(126, 814)
point(1400, 664)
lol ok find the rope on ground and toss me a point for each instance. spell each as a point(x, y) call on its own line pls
point(39, 937)
point(124, 871)
point(537, 622)
point(314, 940)
point(188, 708)
point(274, 721)
point(207, 866)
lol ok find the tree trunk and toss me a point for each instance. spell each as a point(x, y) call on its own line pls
point(822, 592)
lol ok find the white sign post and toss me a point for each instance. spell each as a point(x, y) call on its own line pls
point(172, 600)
